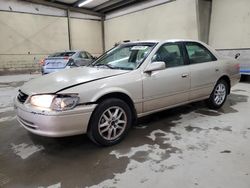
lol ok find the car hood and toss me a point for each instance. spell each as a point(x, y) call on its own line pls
point(58, 81)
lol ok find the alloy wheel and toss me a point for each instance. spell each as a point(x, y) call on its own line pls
point(112, 123)
point(220, 94)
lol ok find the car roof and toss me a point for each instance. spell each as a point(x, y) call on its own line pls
point(163, 41)
point(68, 51)
point(175, 40)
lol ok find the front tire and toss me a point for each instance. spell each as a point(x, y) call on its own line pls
point(219, 95)
point(110, 122)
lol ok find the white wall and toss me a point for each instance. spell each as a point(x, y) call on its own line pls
point(175, 19)
point(86, 35)
point(230, 24)
point(24, 33)
point(26, 7)
point(29, 32)
point(27, 37)
point(23, 6)
point(204, 19)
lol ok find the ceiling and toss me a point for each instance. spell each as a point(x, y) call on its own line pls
point(91, 4)
point(99, 6)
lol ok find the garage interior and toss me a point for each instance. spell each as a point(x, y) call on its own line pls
point(188, 146)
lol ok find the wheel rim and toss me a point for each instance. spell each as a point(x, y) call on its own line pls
point(220, 94)
point(112, 123)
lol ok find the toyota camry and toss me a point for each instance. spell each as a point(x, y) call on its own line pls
point(131, 80)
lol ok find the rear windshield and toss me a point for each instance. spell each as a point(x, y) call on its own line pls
point(62, 54)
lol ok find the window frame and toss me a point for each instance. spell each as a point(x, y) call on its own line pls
point(153, 44)
point(182, 52)
point(81, 53)
point(184, 44)
point(89, 55)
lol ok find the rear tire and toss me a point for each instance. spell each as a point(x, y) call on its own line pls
point(219, 95)
point(110, 122)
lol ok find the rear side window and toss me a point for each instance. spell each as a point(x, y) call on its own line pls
point(198, 53)
point(62, 54)
point(84, 55)
point(89, 56)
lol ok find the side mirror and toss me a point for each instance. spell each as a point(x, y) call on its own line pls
point(154, 66)
point(237, 55)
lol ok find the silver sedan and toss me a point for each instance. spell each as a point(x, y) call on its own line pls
point(67, 59)
point(130, 81)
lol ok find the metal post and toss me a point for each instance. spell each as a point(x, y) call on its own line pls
point(69, 31)
point(103, 34)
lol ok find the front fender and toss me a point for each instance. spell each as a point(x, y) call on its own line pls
point(106, 91)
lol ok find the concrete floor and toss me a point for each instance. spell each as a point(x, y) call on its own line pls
point(190, 146)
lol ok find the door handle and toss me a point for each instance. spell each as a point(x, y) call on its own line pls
point(184, 75)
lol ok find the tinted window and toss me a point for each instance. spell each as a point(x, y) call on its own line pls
point(89, 56)
point(198, 53)
point(170, 54)
point(79, 55)
point(83, 55)
point(62, 54)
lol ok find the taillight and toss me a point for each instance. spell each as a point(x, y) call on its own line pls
point(42, 62)
point(237, 66)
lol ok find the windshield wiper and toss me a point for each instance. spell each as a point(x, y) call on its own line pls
point(106, 65)
point(123, 68)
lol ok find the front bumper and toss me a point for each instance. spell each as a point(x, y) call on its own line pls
point(54, 124)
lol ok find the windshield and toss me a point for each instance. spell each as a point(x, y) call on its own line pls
point(125, 56)
point(62, 54)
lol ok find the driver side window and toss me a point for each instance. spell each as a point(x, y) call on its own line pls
point(82, 55)
point(170, 54)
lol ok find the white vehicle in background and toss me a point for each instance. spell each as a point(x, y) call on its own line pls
point(242, 55)
point(67, 59)
point(132, 80)
point(244, 68)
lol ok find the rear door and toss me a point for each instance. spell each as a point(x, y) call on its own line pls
point(170, 86)
point(204, 70)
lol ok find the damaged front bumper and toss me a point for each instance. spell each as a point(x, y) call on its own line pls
point(54, 123)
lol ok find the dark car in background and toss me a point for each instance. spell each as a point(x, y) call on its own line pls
point(67, 59)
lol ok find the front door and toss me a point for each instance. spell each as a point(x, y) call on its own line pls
point(170, 86)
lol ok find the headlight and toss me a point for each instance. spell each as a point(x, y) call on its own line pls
point(64, 102)
point(43, 101)
point(55, 102)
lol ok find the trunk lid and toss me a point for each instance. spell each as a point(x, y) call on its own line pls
point(56, 62)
